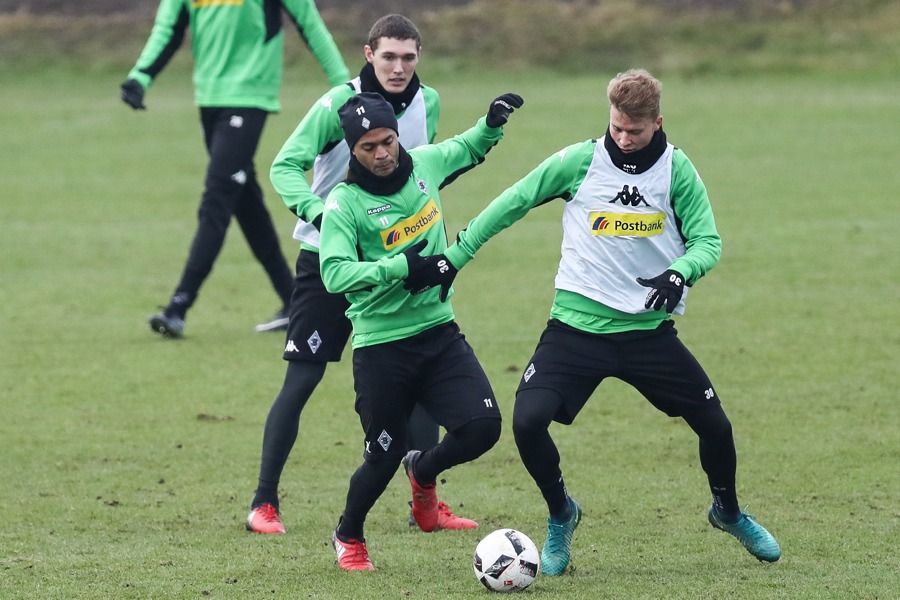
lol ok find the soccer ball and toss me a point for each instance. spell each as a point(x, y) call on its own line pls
point(506, 560)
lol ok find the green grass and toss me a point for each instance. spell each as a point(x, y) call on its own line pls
point(129, 461)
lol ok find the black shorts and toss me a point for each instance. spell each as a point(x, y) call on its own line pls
point(436, 368)
point(318, 329)
point(573, 363)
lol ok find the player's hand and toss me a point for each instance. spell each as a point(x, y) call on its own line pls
point(426, 272)
point(501, 107)
point(667, 290)
point(133, 94)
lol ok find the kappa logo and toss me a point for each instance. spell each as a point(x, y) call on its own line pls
point(291, 347)
point(314, 342)
point(379, 209)
point(240, 177)
point(333, 205)
point(327, 103)
point(629, 197)
point(236, 121)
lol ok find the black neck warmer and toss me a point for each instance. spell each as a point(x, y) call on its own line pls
point(381, 186)
point(640, 161)
point(400, 102)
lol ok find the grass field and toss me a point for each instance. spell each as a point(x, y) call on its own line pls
point(129, 462)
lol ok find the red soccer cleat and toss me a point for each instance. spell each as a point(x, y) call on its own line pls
point(424, 497)
point(352, 555)
point(448, 520)
point(265, 519)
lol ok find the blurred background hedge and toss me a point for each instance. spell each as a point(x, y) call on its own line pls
point(687, 37)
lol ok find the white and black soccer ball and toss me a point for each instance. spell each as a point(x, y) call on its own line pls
point(506, 560)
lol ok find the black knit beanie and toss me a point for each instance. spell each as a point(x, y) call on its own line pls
point(362, 113)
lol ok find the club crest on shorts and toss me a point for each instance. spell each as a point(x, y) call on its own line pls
point(314, 342)
point(384, 440)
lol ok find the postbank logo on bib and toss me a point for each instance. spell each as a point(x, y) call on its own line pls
point(627, 224)
point(411, 227)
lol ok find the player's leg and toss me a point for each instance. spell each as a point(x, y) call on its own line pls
point(317, 333)
point(456, 392)
point(279, 437)
point(256, 223)
point(717, 457)
point(533, 412)
point(460, 445)
point(382, 379)
point(671, 378)
point(367, 484)
point(259, 230)
point(423, 432)
point(567, 366)
point(231, 144)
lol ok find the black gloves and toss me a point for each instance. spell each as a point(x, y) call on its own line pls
point(498, 113)
point(425, 272)
point(317, 223)
point(667, 289)
point(133, 94)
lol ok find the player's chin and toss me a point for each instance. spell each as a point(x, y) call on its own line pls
point(384, 169)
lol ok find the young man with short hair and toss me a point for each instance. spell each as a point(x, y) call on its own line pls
point(318, 329)
point(237, 48)
point(407, 349)
point(638, 230)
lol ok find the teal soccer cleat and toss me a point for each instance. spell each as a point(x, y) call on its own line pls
point(753, 536)
point(166, 326)
point(557, 546)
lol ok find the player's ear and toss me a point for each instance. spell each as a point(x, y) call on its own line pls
point(369, 53)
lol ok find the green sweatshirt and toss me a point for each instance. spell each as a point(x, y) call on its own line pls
point(614, 260)
point(364, 235)
point(237, 47)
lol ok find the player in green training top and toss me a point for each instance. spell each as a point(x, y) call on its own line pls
point(318, 329)
point(637, 229)
point(237, 48)
point(406, 349)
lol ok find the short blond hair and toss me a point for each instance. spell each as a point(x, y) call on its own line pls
point(636, 93)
